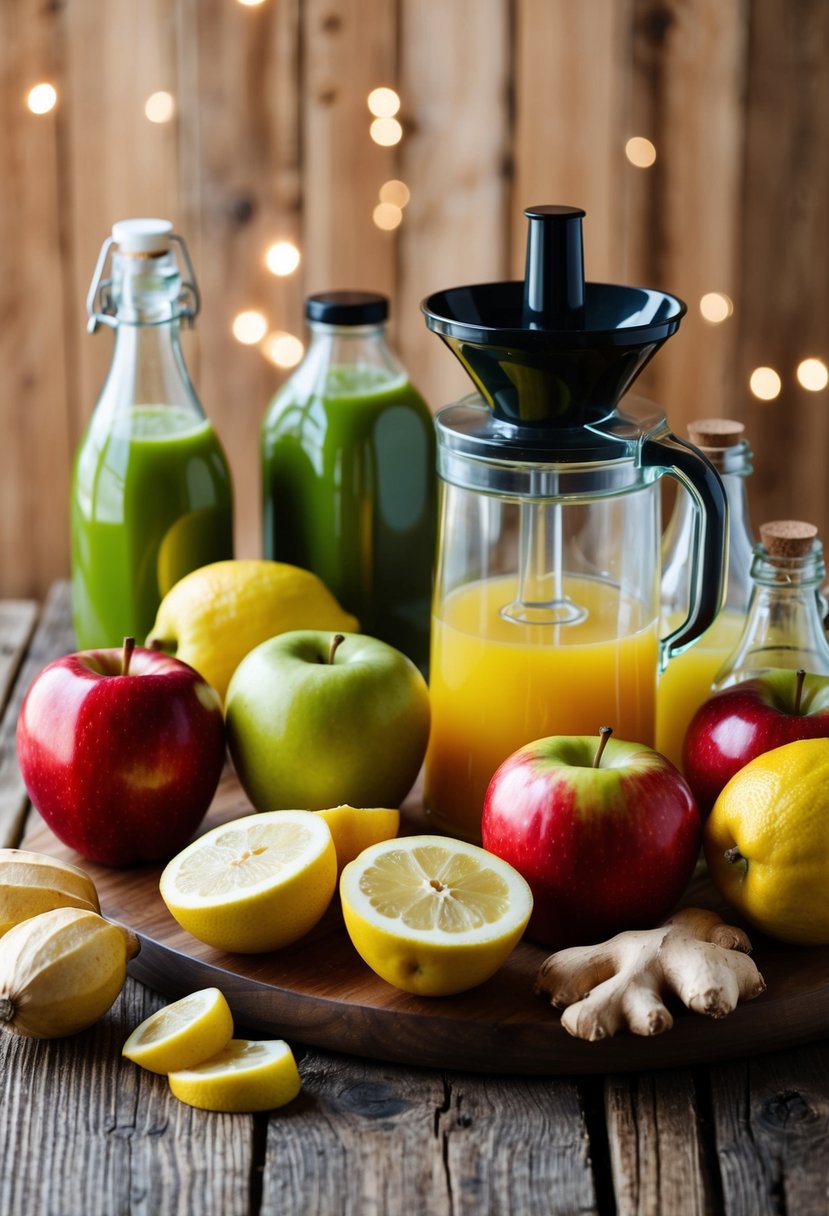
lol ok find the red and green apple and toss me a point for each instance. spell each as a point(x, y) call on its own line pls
point(315, 720)
point(740, 722)
point(606, 833)
point(121, 752)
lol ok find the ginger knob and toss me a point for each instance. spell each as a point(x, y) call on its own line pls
point(620, 983)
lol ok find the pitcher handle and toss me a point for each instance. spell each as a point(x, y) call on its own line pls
point(709, 557)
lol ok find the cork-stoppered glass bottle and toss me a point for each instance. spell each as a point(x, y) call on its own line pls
point(784, 626)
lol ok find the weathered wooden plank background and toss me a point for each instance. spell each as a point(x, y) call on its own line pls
point(504, 103)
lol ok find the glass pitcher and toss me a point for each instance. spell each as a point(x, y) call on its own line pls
point(546, 603)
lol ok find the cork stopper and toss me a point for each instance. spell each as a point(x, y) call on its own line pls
point(715, 432)
point(787, 537)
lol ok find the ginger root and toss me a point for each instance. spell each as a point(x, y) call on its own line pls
point(620, 982)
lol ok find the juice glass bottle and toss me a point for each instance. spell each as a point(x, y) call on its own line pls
point(348, 472)
point(784, 624)
point(151, 491)
point(688, 678)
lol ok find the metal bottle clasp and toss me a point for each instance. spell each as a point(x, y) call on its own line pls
point(100, 305)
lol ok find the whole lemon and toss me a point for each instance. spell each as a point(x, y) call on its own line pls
point(217, 614)
point(767, 842)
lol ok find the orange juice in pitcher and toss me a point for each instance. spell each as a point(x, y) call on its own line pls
point(495, 685)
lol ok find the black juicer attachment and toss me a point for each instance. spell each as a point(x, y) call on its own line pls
point(552, 356)
point(553, 352)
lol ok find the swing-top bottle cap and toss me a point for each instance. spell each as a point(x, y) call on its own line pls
point(142, 236)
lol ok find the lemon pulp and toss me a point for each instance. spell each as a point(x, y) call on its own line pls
point(240, 859)
point(256, 884)
point(433, 888)
point(433, 916)
point(182, 1034)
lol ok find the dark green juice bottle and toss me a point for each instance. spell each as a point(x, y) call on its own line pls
point(348, 472)
point(151, 490)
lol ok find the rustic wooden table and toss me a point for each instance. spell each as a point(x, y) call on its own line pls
point(83, 1132)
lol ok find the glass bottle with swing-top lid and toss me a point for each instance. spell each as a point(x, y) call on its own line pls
point(151, 494)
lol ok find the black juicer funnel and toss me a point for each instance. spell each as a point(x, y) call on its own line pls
point(553, 353)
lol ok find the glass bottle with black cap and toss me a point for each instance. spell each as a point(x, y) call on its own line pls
point(348, 472)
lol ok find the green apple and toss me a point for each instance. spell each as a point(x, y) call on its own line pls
point(315, 720)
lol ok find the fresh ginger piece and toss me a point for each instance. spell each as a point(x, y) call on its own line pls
point(620, 983)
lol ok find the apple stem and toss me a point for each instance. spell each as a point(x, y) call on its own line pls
point(732, 856)
point(335, 645)
point(798, 689)
point(604, 734)
point(129, 647)
point(6, 1009)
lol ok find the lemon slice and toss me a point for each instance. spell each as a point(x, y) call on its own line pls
point(246, 1075)
point(255, 884)
point(355, 828)
point(182, 1034)
point(433, 915)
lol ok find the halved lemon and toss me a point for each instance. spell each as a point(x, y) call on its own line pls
point(182, 1034)
point(355, 828)
point(254, 884)
point(433, 915)
point(246, 1075)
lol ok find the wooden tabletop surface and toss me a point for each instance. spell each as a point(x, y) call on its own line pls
point(84, 1133)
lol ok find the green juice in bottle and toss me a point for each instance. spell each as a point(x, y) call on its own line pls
point(348, 471)
point(151, 490)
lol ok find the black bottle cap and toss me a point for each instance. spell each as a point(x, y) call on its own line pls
point(347, 307)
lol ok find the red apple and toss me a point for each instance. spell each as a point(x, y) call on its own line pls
point(121, 752)
point(607, 836)
point(743, 721)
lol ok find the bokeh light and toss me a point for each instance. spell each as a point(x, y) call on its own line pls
point(160, 107)
point(386, 132)
point(765, 383)
point(383, 103)
point(387, 216)
point(251, 3)
point(716, 307)
point(42, 98)
point(394, 192)
point(249, 327)
point(640, 152)
point(813, 374)
point(282, 258)
point(283, 349)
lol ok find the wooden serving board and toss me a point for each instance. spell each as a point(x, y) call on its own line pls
point(320, 993)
